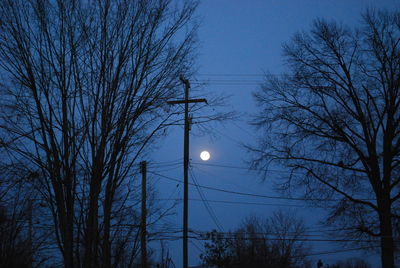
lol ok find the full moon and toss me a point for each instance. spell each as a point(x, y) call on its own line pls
point(204, 155)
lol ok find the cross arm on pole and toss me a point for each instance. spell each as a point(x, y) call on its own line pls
point(186, 101)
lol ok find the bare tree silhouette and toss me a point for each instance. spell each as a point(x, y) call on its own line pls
point(271, 242)
point(333, 122)
point(84, 90)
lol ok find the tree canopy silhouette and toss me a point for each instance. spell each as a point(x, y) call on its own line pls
point(83, 93)
point(333, 121)
point(272, 242)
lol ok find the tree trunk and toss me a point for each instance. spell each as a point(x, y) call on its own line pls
point(106, 258)
point(68, 251)
point(91, 245)
point(387, 244)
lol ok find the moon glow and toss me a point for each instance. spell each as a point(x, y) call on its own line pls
point(204, 155)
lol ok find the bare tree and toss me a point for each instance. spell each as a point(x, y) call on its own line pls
point(333, 122)
point(273, 242)
point(288, 230)
point(83, 94)
point(23, 235)
point(351, 263)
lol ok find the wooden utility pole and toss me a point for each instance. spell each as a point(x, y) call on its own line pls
point(186, 101)
point(143, 229)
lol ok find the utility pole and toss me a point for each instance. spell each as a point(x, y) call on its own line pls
point(186, 101)
point(143, 229)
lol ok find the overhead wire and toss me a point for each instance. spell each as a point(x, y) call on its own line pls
point(243, 168)
point(307, 232)
point(233, 166)
point(196, 246)
point(300, 239)
point(289, 236)
point(205, 235)
point(205, 202)
point(269, 170)
point(173, 193)
point(207, 238)
point(339, 251)
point(171, 238)
point(244, 130)
point(215, 219)
point(232, 79)
point(207, 172)
point(238, 75)
point(242, 203)
point(226, 83)
point(242, 193)
point(165, 163)
point(172, 167)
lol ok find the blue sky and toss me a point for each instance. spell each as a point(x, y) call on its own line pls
point(239, 41)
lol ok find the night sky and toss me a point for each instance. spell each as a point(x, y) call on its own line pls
point(238, 42)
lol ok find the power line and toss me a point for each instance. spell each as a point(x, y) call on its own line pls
point(165, 163)
point(203, 238)
point(178, 229)
point(229, 83)
point(205, 202)
point(271, 170)
point(196, 246)
point(305, 255)
point(165, 169)
point(339, 251)
point(290, 236)
point(243, 168)
point(241, 203)
point(207, 173)
point(242, 193)
point(233, 166)
point(238, 75)
point(297, 239)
